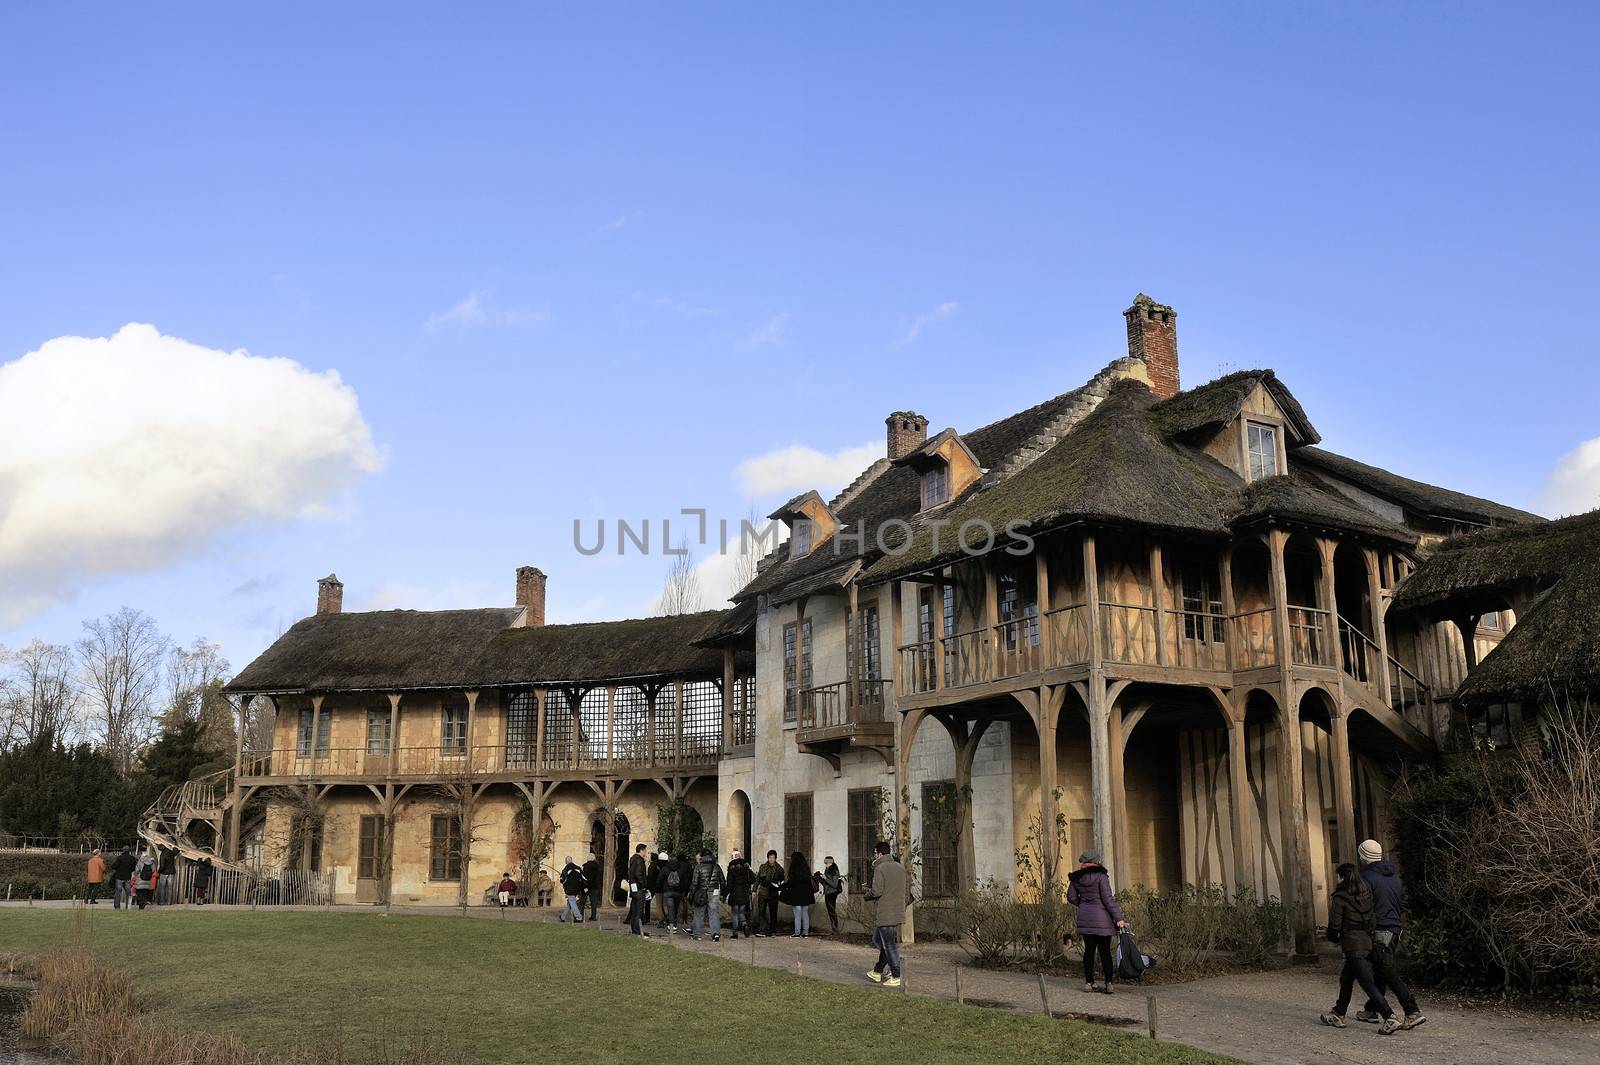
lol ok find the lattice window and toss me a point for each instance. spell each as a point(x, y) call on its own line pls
point(453, 723)
point(378, 731)
point(444, 849)
point(744, 716)
point(592, 728)
point(666, 723)
point(522, 712)
point(702, 721)
point(324, 727)
point(865, 825)
point(797, 825)
point(939, 835)
point(631, 728)
point(557, 729)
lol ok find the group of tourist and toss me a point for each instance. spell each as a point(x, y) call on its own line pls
point(149, 879)
point(1366, 915)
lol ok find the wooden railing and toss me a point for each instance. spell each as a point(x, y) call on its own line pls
point(1308, 637)
point(1129, 633)
point(693, 749)
point(843, 703)
point(1409, 696)
point(1357, 653)
point(1255, 644)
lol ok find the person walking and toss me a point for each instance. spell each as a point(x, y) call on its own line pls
point(740, 881)
point(769, 883)
point(1099, 916)
point(1352, 920)
point(202, 880)
point(94, 876)
point(638, 892)
point(574, 885)
point(830, 882)
point(507, 892)
point(144, 882)
point(122, 870)
point(167, 885)
point(594, 884)
point(800, 892)
point(675, 879)
point(1389, 910)
point(887, 894)
point(706, 885)
point(653, 881)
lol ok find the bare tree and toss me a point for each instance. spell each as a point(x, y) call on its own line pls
point(120, 659)
point(745, 558)
point(194, 678)
point(260, 719)
point(682, 592)
point(38, 695)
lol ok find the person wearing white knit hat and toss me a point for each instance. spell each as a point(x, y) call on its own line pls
point(1389, 905)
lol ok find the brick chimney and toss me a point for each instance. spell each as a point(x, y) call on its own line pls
point(908, 431)
point(330, 595)
point(1153, 337)
point(530, 594)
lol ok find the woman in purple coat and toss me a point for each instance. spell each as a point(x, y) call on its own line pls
point(1099, 916)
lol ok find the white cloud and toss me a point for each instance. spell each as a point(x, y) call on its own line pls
point(125, 453)
point(797, 468)
point(1574, 485)
point(773, 331)
point(921, 322)
point(478, 308)
point(668, 305)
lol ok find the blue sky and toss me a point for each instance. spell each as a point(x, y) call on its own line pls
point(585, 264)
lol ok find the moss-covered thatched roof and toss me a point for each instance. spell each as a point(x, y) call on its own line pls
point(394, 650)
point(1216, 403)
point(1301, 497)
point(1421, 499)
point(1555, 644)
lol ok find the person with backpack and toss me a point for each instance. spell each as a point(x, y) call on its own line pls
point(122, 880)
point(1352, 920)
point(1099, 916)
point(675, 881)
point(769, 883)
point(144, 882)
point(575, 885)
point(800, 892)
point(638, 892)
point(1389, 910)
point(887, 893)
point(706, 885)
point(202, 880)
point(594, 884)
point(830, 882)
point(740, 880)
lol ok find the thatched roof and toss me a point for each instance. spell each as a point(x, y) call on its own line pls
point(1422, 500)
point(1216, 403)
point(1555, 644)
point(393, 650)
point(1304, 498)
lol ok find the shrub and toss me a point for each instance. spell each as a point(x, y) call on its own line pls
point(59, 876)
point(1195, 929)
point(988, 924)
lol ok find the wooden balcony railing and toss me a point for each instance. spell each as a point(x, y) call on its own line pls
point(435, 762)
point(1308, 637)
point(1254, 643)
point(843, 703)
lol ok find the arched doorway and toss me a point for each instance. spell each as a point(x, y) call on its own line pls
point(620, 851)
point(738, 833)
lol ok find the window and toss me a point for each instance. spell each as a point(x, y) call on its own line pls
point(444, 850)
point(1490, 621)
point(453, 725)
point(865, 825)
point(369, 857)
point(800, 538)
point(520, 729)
point(1198, 600)
point(797, 834)
point(324, 728)
point(862, 641)
point(377, 732)
point(940, 832)
point(1017, 605)
point(935, 485)
point(796, 664)
point(314, 855)
point(1263, 447)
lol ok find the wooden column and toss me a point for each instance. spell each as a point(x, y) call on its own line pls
point(1380, 635)
point(540, 696)
point(905, 738)
point(1467, 626)
point(1241, 803)
point(1101, 773)
point(1291, 778)
point(896, 628)
point(1117, 744)
point(1048, 709)
point(991, 617)
point(1328, 593)
point(1343, 789)
point(1278, 581)
point(1041, 593)
point(728, 682)
point(316, 728)
point(939, 649)
point(677, 717)
point(1229, 608)
point(472, 729)
point(1091, 602)
point(966, 846)
point(852, 652)
point(1158, 587)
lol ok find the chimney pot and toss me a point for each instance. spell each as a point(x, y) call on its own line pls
point(530, 594)
point(1153, 337)
point(330, 595)
point(908, 431)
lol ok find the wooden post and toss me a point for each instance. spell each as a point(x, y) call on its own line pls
point(1150, 1009)
point(316, 728)
point(728, 682)
point(852, 653)
point(472, 728)
point(1240, 803)
point(1291, 777)
point(1044, 996)
point(939, 626)
point(1229, 609)
point(1091, 602)
point(991, 617)
point(1158, 588)
point(960, 998)
point(1380, 636)
point(540, 698)
point(896, 628)
point(1100, 774)
point(1330, 602)
point(1117, 746)
point(1041, 593)
point(1342, 785)
point(394, 733)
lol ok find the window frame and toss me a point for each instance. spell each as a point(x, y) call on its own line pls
point(935, 484)
point(453, 734)
point(941, 861)
point(797, 674)
point(862, 833)
point(303, 745)
point(384, 720)
point(444, 867)
point(799, 832)
point(1271, 428)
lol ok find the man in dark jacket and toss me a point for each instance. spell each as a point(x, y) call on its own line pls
point(638, 892)
point(705, 895)
point(1351, 924)
point(769, 882)
point(740, 881)
point(675, 875)
point(122, 880)
point(166, 887)
point(1389, 904)
point(594, 884)
point(652, 880)
point(575, 885)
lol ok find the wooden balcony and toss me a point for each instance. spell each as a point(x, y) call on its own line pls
point(442, 764)
point(833, 718)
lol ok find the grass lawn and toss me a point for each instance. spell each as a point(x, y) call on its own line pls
point(495, 993)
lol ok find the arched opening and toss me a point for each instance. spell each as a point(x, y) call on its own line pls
point(1358, 649)
point(1318, 765)
point(1261, 743)
point(1375, 764)
point(739, 818)
point(621, 849)
point(1308, 626)
point(1252, 597)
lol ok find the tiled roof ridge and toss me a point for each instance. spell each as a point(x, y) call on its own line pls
point(1087, 398)
point(857, 486)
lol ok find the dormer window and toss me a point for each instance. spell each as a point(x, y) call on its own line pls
point(800, 539)
point(935, 485)
point(1262, 444)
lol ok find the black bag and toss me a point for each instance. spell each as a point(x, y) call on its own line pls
point(1131, 963)
point(674, 881)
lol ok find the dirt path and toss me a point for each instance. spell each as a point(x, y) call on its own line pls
point(1266, 1018)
